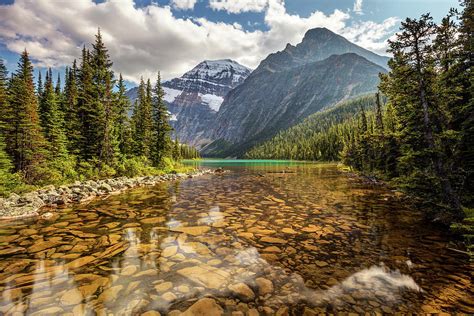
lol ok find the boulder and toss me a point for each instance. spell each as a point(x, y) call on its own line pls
point(204, 307)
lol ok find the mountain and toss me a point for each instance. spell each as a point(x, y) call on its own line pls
point(290, 85)
point(317, 137)
point(195, 98)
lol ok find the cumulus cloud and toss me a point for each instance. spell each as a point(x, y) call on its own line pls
point(238, 6)
point(183, 4)
point(358, 7)
point(142, 40)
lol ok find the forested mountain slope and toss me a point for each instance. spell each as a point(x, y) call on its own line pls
point(319, 137)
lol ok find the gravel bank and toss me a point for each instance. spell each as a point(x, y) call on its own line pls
point(29, 204)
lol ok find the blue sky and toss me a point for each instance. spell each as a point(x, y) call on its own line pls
point(174, 35)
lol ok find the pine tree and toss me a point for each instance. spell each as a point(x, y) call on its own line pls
point(53, 120)
point(86, 110)
point(176, 150)
point(57, 89)
point(71, 111)
point(104, 116)
point(5, 110)
point(143, 121)
point(27, 145)
point(122, 122)
point(161, 128)
point(39, 86)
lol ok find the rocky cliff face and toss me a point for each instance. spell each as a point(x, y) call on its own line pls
point(290, 85)
point(195, 98)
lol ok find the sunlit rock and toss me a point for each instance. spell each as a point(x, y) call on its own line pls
point(273, 240)
point(192, 230)
point(204, 307)
point(169, 251)
point(162, 287)
point(71, 297)
point(206, 275)
point(264, 286)
point(110, 295)
point(242, 291)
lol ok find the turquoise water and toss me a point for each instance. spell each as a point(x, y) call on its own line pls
point(242, 162)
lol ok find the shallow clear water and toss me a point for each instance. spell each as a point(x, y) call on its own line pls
point(265, 236)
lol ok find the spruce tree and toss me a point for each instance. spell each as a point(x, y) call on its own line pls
point(86, 111)
point(53, 120)
point(161, 128)
point(71, 112)
point(176, 150)
point(39, 86)
point(143, 121)
point(122, 121)
point(104, 114)
point(27, 145)
point(5, 110)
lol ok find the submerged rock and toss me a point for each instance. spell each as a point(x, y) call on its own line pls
point(242, 291)
point(206, 275)
point(204, 307)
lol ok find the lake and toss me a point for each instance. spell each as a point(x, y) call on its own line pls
point(265, 238)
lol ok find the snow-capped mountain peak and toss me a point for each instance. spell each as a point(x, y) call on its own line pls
point(195, 98)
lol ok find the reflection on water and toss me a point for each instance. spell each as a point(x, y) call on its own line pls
point(263, 239)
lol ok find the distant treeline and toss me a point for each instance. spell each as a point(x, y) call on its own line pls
point(53, 133)
point(422, 137)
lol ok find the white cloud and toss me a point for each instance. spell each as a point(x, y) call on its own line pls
point(358, 7)
point(368, 34)
point(144, 40)
point(183, 4)
point(238, 6)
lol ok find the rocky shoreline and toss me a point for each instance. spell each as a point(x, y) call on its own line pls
point(29, 204)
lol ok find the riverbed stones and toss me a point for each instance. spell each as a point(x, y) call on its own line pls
point(162, 287)
point(11, 251)
point(265, 286)
point(43, 245)
point(169, 297)
point(204, 307)
point(192, 230)
point(72, 297)
point(273, 240)
point(272, 249)
point(169, 251)
point(206, 275)
point(110, 295)
point(242, 291)
point(153, 220)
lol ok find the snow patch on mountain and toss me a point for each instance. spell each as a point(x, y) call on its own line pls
point(213, 101)
point(171, 94)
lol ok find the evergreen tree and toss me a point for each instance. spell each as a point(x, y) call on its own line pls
point(422, 158)
point(27, 145)
point(176, 150)
point(143, 121)
point(161, 128)
point(104, 114)
point(122, 122)
point(39, 86)
point(464, 112)
point(71, 111)
point(57, 89)
point(53, 121)
point(5, 110)
point(86, 110)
